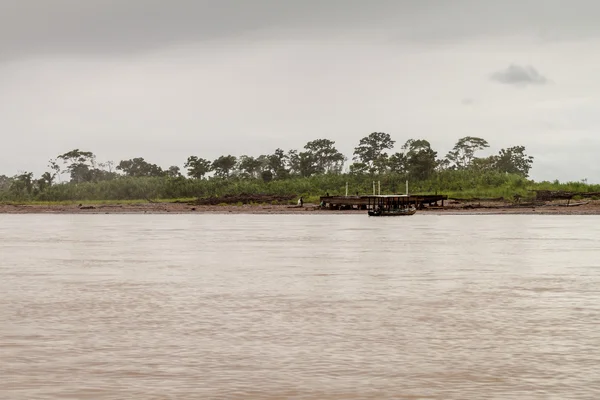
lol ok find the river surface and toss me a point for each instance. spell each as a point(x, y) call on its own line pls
point(307, 307)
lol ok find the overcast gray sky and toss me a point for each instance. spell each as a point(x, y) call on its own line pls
point(167, 79)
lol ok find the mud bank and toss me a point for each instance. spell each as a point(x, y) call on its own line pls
point(591, 208)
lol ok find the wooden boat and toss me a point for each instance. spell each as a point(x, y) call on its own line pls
point(392, 213)
point(390, 206)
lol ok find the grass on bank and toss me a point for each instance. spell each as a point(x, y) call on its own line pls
point(127, 190)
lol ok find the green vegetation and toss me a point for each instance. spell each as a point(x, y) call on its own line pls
point(312, 172)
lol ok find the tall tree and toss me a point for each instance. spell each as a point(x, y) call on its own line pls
point(359, 168)
point(224, 165)
point(277, 164)
point(44, 182)
point(55, 168)
point(463, 153)
point(108, 166)
point(250, 167)
point(22, 183)
point(326, 157)
point(197, 167)
point(514, 160)
point(397, 163)
point(138, 167)
point(445, 164)
point(174, 171)
point(303, 163)
point(47, 178)
point(482, 164)
point(5, 182)
point(78, 164)
point(421, 159)
point(371, 151)
point(98, 174)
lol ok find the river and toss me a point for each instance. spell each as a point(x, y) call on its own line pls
point(305, 306)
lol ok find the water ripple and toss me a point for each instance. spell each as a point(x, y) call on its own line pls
point(273, 307)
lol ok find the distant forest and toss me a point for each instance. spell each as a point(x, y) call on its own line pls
point(317, 168)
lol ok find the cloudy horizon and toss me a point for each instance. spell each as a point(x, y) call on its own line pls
point(166, 80)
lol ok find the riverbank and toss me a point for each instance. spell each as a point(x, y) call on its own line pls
point(462, 208)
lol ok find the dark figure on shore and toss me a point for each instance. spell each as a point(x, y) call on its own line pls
point(301, 201)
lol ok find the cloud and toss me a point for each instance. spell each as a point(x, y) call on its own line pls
point(33, 27)
point(166, 80)
point(114, 27)
point(519, 76)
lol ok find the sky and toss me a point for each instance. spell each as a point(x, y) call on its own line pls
point(166, 80)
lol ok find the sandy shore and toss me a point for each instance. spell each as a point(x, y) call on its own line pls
point(559, 208)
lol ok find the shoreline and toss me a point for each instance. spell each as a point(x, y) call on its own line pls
point(591, 208)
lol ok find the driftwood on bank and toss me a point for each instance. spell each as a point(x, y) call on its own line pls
point(549, 195)
point(244, 199)
point(581, 203)
point(503, 206)
point(541, 199)
point(491, 199)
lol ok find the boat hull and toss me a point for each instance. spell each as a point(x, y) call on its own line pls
point(391, 213)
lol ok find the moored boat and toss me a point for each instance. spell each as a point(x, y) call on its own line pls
point(392, 213)
point(390, 206)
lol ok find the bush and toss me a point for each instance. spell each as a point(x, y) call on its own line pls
point(461, 183)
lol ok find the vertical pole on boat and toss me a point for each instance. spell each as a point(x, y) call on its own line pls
point(379, 187)
point(346, 189)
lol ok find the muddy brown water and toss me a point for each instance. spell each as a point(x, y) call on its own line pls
point(299, 306)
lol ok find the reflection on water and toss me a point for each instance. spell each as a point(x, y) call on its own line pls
point(315, 307)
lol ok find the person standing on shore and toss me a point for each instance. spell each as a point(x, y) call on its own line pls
point(300, 201)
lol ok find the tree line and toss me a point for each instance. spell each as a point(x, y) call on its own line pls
point(416, 160)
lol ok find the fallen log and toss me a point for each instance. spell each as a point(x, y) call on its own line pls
point(581, 203)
